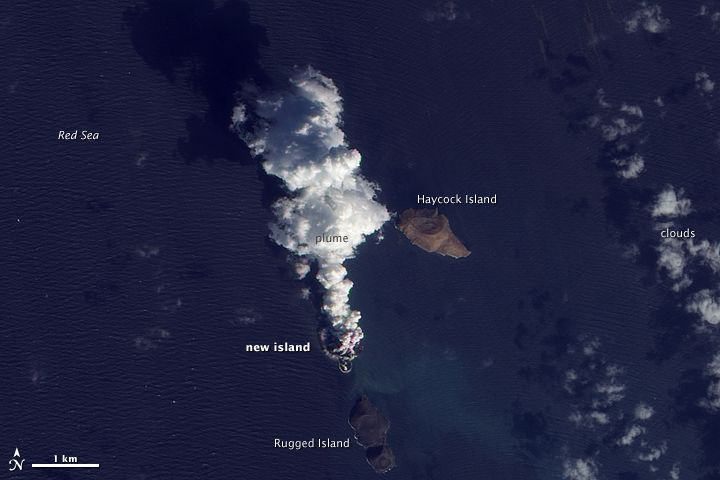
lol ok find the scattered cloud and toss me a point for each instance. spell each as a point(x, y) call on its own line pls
point(675, 472)
point(603, 377)
point(629, 167)
point(707, 252)
point(706, 304)
point(651, 454)
point(649, 18)
point(633, 110)
point(713, 16)
point(712, 370)
point(703, 83)
point(600, 406)
point(147, 251)
point(141, 159)
point(589, 419)
point(245, 316)
point(600, 97)
point(171, 306)
point(630, 435)
point(580, 469)
point(618, 127)
point(571, 378)
point(672, 203)
point(614, 128)
point(643, 411)
point(590, 346)
point(302, 267)
point(678, 258)
point(713, 396)
point(152, 339)
point(610, 392)
point(673, 260)
point(447, 11)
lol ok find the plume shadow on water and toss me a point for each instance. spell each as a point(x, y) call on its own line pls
point(215, 49)
point(274, 188)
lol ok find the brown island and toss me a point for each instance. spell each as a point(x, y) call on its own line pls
point(431, 231)
point(371, 429)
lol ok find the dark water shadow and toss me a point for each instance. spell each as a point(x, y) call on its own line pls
point(551, 346)
point(689, 397)
point(215, 49)
point(531, 430)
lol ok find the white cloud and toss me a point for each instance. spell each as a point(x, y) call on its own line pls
point(675, 472)
point(709, 253)
point(571, 377)
point(643, 411)
point(239, 115)
point(601, 418)
point(609, 391)
point(633, 110)
point(619, 127)
point(630, 167)
point(703, 83)
point(590, 345)
point(589, 419)
point(577, 418)
point(302, 267)
point(647, 17)
point(594, 120)
point(706, 304)
point(630, 435)
point(613, 370)
point(712, 401)
point(600, 97)
point(447, 10)
point(673, 260)
point(580, 469)
point(712, 370)
point(147, 251)
point(714, 17)
point(671, 203)
point(652, 453)
point(152, 339)
point(297, 133)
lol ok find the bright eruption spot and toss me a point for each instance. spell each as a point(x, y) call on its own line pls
point(297, 133)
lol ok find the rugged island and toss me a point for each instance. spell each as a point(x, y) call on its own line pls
point(371, 429)
point(431, 231)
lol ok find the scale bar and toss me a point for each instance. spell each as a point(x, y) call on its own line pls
point(65, 465)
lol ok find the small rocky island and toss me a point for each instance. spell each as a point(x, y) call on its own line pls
point(431, 231)
point(371, 429)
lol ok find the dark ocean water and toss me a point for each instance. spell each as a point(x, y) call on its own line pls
point(135, 268)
